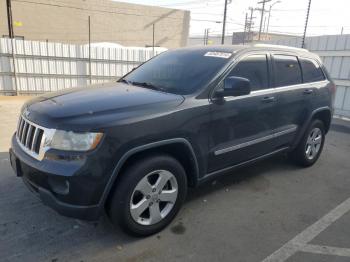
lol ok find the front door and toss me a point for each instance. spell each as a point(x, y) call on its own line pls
point(242, 127)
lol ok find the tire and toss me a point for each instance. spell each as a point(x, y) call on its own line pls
point(141, 188)
point(309, 148)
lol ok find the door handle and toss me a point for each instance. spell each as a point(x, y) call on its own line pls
point(308, 91)
point(268, 99)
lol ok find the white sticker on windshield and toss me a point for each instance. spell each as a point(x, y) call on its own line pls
point(218, 54)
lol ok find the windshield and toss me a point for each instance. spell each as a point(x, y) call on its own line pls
point(182, 71)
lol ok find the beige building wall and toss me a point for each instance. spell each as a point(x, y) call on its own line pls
point(123, 23)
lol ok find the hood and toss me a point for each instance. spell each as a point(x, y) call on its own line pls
point(97, 105)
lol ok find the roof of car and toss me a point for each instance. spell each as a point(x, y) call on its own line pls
point(250, 47)
point(235, 48)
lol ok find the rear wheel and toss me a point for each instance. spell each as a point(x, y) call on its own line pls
point(311, 145)
point(149, 195)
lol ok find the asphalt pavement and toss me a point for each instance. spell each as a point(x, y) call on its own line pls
point(272, 211)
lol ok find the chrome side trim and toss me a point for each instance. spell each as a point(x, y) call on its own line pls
point(226, 169)
point(254, 141)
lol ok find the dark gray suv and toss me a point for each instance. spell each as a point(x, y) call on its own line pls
point(133, 147)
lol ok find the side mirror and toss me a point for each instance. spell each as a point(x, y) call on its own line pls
point(234, 86)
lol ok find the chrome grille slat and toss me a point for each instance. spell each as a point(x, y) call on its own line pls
point(30, 136)
point(24, 132)
point(18, 125)
point(35, 138)
point(20, 128)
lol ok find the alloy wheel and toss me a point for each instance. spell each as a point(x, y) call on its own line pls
point(313, 143)
point(153, 197)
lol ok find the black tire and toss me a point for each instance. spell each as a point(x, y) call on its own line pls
point(299, 154)
point(120, 205)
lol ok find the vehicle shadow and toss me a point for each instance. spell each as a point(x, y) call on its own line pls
point(247, 174)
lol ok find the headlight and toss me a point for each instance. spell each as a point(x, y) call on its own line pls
point(71, 141)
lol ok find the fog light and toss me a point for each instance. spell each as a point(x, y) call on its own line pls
point(59, 185)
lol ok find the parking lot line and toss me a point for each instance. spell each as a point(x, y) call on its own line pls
point(299, 242)
point(326, 250)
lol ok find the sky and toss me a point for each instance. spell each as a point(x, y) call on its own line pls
point(288, 16)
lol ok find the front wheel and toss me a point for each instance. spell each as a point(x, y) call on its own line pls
point(311, 145)
point(149, 195)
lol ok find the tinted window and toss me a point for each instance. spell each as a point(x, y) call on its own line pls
point(311, 70)
point(255, 69)
point(287, 70)
point(180, 71)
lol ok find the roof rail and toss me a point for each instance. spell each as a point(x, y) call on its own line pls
point(281, 46)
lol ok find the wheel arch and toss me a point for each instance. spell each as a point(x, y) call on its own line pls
point(322, 113)
point(325, 116)
point(174, 147)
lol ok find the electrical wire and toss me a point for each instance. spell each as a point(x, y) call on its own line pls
point(91, 10)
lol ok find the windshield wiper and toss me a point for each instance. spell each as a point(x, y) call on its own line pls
point(148, 85)
point(124, 81)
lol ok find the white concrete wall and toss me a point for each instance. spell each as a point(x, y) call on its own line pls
point(334, 51)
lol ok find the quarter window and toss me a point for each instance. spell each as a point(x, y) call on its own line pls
point(287, 70)
point(255, 69)
point(311, 70)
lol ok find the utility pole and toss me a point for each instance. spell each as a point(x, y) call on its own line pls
point(264, 26)
point(245, 28)
point(263, 2)
point(224, 24)
point(268, 20)
point(153, 38)
point(9, 18)
point(90, 75)
point(306, 22)
point(250, 23)
point(205, 41)
point(206, 36)
point(11, 36)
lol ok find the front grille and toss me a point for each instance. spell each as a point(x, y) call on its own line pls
point(29, 136)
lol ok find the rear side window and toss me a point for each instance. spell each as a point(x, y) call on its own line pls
point(287, 70)
point(255, 69)
point(312, 71)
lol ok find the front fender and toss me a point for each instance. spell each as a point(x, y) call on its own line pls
point(139, 149)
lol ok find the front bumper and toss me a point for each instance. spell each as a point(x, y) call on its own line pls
point(48, 178)
point(91, 213)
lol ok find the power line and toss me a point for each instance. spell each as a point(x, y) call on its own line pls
point(189, 3)
point(90, 10)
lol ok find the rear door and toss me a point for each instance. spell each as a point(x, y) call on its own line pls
point(294, 97)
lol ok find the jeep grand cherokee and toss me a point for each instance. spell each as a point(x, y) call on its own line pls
point(132, 147)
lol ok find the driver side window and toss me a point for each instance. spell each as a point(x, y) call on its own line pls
point(255, 69)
